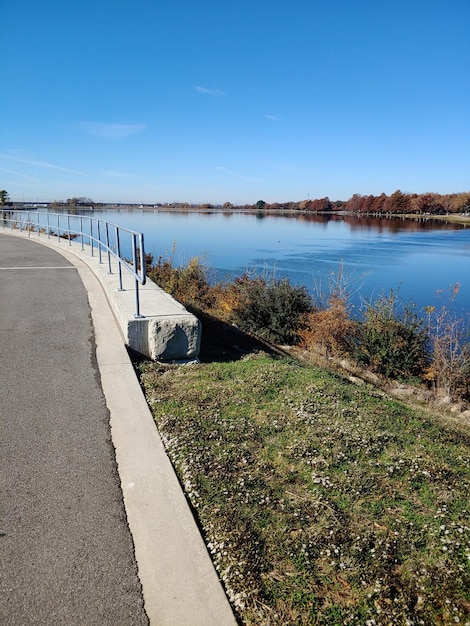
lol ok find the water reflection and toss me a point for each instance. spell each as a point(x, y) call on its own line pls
point(417, 256)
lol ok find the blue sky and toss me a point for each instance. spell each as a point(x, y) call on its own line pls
point(215, 101)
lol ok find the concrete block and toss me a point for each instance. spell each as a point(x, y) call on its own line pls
point(165, 332)
point(166, 338)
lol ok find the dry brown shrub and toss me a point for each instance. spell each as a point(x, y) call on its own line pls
point(449, 369)
point(330, 329)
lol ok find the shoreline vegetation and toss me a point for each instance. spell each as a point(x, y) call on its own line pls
point(322, 498)
point(387, 337)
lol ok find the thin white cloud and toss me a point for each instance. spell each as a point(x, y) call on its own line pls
point(210, 92)
point(43, 164)
point(25, 176)
point(112, 131)
point(273, 118)
point(235, 174)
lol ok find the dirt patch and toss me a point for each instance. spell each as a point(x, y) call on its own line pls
point(224, 342)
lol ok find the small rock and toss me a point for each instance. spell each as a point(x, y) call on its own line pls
point(356, 380)
point(372, 378)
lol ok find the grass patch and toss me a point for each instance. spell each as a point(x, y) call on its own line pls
point(321, 502)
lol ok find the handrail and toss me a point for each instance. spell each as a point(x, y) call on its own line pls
point(99, 235)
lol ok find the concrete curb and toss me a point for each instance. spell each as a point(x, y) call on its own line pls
point(180, 584)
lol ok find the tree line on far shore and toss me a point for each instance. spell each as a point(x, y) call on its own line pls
point(398, 203)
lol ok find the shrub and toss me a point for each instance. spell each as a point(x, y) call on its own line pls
point(271, 308)
point(392, 338)
point(189, 284)
point(330, 329)
point(449, 369)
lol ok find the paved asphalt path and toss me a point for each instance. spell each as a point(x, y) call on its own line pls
point(66, 549)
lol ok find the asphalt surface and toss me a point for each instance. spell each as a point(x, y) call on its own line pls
point(67, 552)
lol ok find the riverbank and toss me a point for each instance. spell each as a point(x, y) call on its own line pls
point(461, 219)
point(321, 500)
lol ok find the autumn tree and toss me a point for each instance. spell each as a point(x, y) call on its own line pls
point(379, 203)
point(397, 203)
point(461, 202)
point(427, 203)
point(323, 204)
point(354, 203)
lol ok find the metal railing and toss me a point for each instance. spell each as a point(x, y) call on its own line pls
point(103, 239)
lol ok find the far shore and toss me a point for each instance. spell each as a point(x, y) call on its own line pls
point(452, 217)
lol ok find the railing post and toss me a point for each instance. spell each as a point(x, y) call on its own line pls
point(135, 262)
point(91, 237)
point(107, 248)
point(98, 223)
point(81, 231)
point(118, 245)
point(142, 254)
point(137, 301)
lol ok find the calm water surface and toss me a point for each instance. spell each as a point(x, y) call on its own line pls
point(417, 258)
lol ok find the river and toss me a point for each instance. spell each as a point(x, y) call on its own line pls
point(417, 258)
